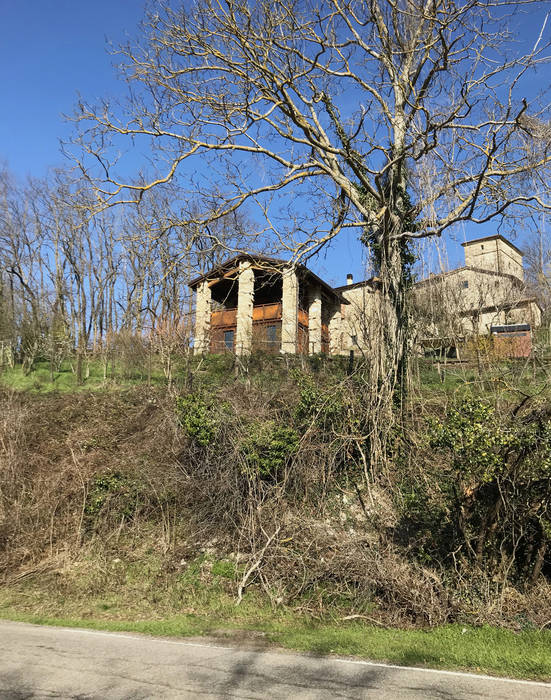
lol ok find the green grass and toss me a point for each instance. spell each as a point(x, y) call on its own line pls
point(39, 379)
point(270, 372)
point(481, 650)
point(484, 649)
point(141, 596)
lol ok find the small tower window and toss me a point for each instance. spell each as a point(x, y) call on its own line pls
point(465, 284)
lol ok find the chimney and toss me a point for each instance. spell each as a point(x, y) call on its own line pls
point(349, 278)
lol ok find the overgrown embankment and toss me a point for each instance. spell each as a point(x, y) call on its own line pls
point(143, 503)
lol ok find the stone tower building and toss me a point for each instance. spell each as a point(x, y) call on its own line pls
point(496, 254)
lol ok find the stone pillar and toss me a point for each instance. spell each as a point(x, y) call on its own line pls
point(314, 320)
point(245, 302)
point(335, 329)
point(289, 312)
point(201, 342)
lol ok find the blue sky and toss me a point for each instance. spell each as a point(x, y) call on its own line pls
point(52, 50)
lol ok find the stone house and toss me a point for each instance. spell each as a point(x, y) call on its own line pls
point(486, 296)
point(254, 302)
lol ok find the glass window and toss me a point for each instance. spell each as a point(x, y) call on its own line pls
point(228, 339)
point(271, 334)
point(465, 284)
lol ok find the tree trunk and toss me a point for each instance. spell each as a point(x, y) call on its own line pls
point(389, 352)
point(80, 379)
point(395, 328)
point(539, 559)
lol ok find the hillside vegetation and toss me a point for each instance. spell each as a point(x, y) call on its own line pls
point(257, 486)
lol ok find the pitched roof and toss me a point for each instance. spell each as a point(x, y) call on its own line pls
point(266, 262)
point(496, 236)
point(440, 275)
point(371, 282)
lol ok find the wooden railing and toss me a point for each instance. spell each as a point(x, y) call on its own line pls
point(267, 312)
point(261, 312)
point(227, 317)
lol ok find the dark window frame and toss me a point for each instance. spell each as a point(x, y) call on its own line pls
point(229, 335)
point(271, 334)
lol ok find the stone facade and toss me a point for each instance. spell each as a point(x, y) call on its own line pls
point(266, 304)
point(488, 291)
point(202, 318)
point(495, 254)
point(245, 303)
point(335, 331)
point(289, 312)
point(358, 317)
point(314, 320)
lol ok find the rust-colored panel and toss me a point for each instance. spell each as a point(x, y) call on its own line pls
point(267, 336)
point(227, 317)
point(513, 344)
point(325, 338)
point(218, 341)
point(265, 312)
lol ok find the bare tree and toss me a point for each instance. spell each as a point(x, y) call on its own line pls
point(325, 114)
point(21, 258)
point(537, 252)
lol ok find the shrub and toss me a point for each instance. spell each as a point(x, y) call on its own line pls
point(323, 404)
point(268, 448)
point(114, 491)
point(478, 442)
point(196, 416)
point(499, 485)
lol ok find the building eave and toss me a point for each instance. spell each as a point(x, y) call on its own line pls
point(371, 282)
point(496, 236)
point(264, 260)
point(441, 275)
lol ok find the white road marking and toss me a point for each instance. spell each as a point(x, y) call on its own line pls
point(358, 662)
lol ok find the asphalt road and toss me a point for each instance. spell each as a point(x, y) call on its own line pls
point(55, 662)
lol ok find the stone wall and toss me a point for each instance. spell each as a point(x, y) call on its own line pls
point(335, 330)
point(358, 317)
point(289, 312)
point(495, 255)
point(467, 301)
point(202, 318)
point(314, 320)
point(245, 302)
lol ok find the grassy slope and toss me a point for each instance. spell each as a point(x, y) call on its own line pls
point(208, 609)
point(200, 600)
point(39, 380)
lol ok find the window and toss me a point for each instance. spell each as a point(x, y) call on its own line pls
point(465, 284)
point(271, 335)
point(228, 339)
point(354, 339)
point(482, 247)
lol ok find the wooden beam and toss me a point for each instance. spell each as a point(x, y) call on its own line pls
point(224, 276)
